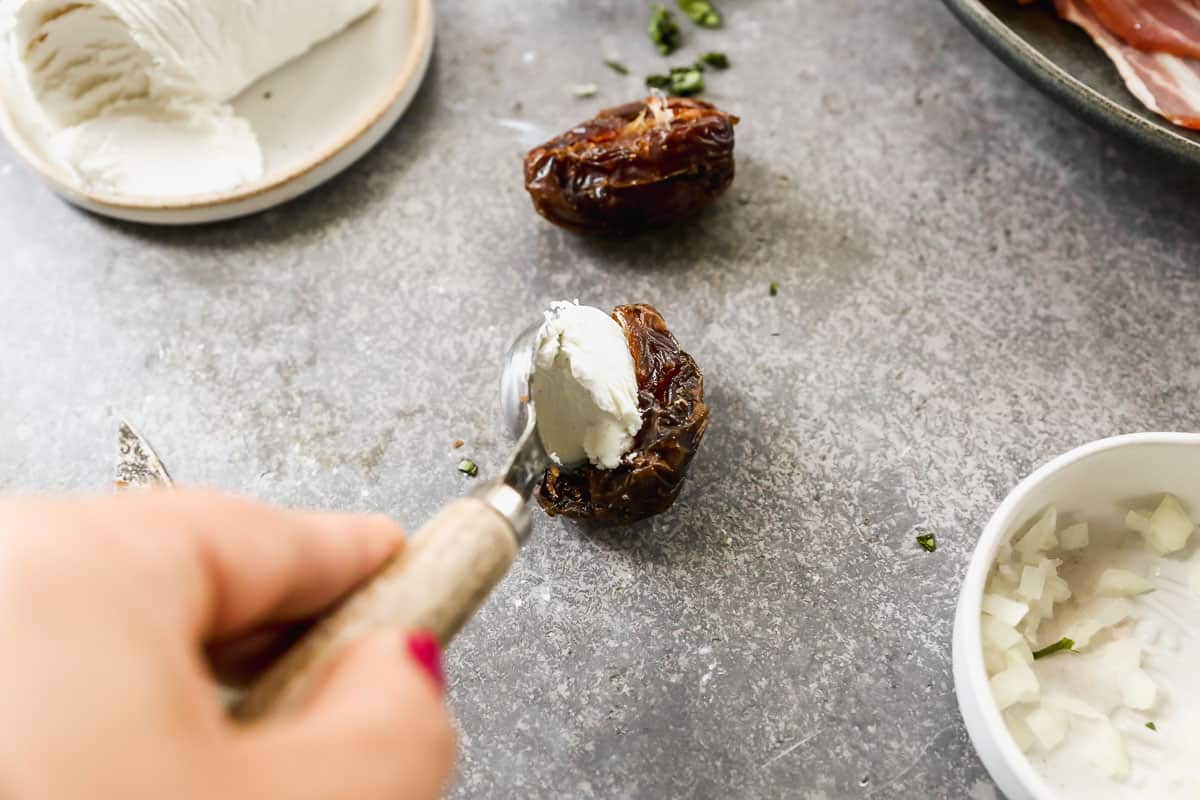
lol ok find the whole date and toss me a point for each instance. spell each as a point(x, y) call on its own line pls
point(638, 166)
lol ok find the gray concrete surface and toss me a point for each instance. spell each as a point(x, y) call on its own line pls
point(971, 281)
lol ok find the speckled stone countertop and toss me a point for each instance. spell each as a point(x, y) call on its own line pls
point(971, 281)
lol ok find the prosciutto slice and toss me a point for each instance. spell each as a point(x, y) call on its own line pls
point(1168, 85)
point(1161, 26)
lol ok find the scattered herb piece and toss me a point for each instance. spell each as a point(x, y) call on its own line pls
point(686, 81)
point(713, 59)
point(928, 542)
point(680, 81)
point(663, 31)
point(775, 291)
point(616, 66)
point(584, 90)
point(1152, 726)
point(458, 443)
point(662, 82)
point(700, 12)
point(1049, 650)
point(468, 467)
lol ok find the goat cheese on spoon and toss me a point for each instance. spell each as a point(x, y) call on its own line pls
point(584, 387)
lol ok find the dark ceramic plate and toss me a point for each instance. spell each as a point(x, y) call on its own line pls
point(1061, 60)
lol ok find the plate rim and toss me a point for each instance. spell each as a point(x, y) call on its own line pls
point(265, 193)
point(1045, 74)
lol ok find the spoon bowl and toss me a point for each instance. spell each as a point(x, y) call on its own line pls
point(516, 404)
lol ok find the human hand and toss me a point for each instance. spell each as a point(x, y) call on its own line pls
point(109, 610)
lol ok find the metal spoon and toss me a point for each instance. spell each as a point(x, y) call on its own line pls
point(447, 570)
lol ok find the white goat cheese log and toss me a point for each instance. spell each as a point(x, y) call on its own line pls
point(137, 91)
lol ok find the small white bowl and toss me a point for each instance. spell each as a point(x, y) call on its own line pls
point(1105, 475)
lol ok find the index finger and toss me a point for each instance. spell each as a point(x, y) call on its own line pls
point(245, 564)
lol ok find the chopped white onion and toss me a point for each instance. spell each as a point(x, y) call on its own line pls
point(1170, 526)
point(1016, 684)
point(997, 585)
point(1049, 566)
point(1039, 538)
point(994, 660)
point(1048, 725)
point(1018, 663)
point(1010, 572)
point(1109, 756)
point(1007, 688)
point(1072, 705)
point(1008, 611)
point(1082, 631)
point(1045, 606)
point(1033, 582)
point(1073, 537)
point(1121, 656)
point(1122, 583)
point(1190, 788)
point(1137, 521)
point(998, 634)
point(1030, 626)
point(1022, 651)
point(1058, 589)
point(1146, 631)
point(1138, 691)
point(1167, 529)
point(1020, 732)
point(1112, 613)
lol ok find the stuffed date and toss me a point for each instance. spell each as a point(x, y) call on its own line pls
point(674, 418)
point(639, 166)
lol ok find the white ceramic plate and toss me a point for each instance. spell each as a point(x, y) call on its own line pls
point(314, 118)
point(1107, 476)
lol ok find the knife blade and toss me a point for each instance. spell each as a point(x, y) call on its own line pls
point(138, 466)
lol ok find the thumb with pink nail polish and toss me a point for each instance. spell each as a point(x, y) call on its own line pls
point(427, 652)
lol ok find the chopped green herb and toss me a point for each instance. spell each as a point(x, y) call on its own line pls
point(713, 59)
point(774, 289)
point(1049, 650)
point(928, 542)
point(1152, 726)
point(680, 81)
point(584, 90)
point(700, 12)
point(658, 82)
point(616, 66)
point(663, 31)
point(468, 467)
point(686, 81)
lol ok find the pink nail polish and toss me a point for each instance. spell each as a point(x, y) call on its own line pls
point(426, 651)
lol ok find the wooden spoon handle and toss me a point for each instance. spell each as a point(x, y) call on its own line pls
point(439, 580)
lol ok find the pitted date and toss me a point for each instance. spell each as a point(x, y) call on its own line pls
point(635, 167)
point(674, 419)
